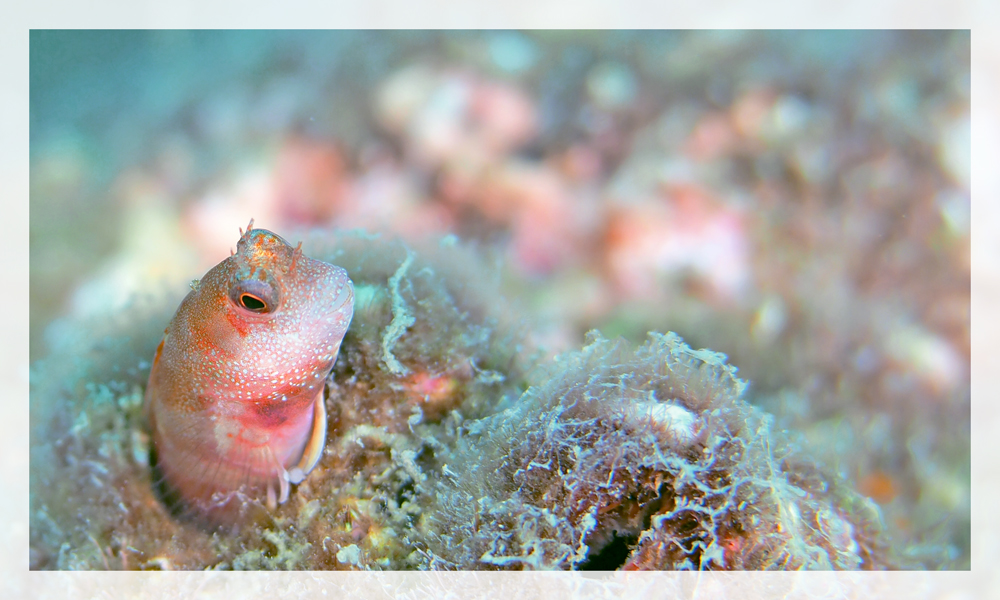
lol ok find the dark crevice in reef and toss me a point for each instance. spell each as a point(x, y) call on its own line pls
point(406, 493)
point(612, 555)
point(610, 552)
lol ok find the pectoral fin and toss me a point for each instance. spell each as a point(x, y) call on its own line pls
point(314, 447)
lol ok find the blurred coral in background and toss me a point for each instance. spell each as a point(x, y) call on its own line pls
point(796, 200)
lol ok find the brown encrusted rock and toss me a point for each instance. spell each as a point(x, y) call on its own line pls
point(641, 459)
point(438, 453)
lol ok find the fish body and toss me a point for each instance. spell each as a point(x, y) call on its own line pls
point(236, 389)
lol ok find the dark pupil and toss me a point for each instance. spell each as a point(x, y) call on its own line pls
point(252, 302)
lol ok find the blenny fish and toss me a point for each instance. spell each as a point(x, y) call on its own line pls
point(236, 389)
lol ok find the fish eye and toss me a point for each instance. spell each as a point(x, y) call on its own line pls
point(251, 302)
point(255, 296)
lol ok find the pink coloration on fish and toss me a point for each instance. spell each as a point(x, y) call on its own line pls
point(235, 394)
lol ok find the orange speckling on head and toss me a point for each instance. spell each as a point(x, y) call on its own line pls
point(235, 393)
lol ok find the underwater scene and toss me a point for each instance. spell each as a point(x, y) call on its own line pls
point(499, 300)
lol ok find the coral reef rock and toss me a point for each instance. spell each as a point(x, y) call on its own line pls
point(451, 445)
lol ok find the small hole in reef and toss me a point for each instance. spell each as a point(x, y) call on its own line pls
point(612, 556)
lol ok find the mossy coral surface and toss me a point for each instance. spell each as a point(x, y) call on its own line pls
point(643, 458)
point(451, 445)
